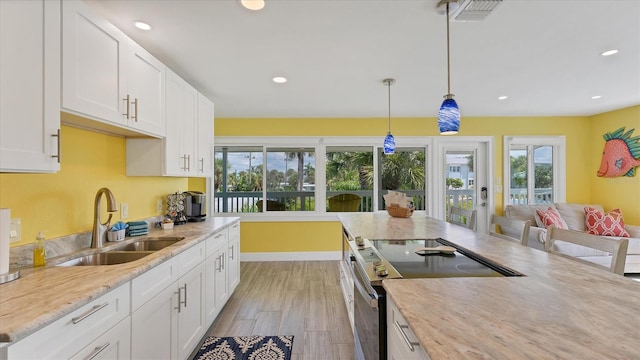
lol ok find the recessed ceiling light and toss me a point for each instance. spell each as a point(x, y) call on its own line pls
point(279, 79)
point(595, 97)
point(609, 52)
point(503, 97)
point(253, 4)
point(142, 25)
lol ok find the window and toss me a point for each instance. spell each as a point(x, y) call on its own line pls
point(242, 187)
point(349, 178)
point(305, 177)
point(534, 170)
point(403, 171)
point(290, 179)
point(454, 169)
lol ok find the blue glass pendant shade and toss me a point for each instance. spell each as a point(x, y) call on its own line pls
point(449, 116)
point(389, 144)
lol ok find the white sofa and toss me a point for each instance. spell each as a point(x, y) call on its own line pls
point(573, 215)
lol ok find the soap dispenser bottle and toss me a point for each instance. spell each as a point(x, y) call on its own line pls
point(39, 258)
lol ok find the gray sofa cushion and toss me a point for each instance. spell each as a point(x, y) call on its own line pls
point(573, 214)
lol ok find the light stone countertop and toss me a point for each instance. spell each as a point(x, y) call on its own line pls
point(561, 309)
point(42, 295)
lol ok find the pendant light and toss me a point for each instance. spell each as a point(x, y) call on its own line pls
point(449, 114)
point(389, 141)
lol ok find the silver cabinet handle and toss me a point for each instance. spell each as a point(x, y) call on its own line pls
point(188, 162)
point(231, 252)
point(135, 112)
point(222, 261)
point(179, 301)
point(57, 135)
point(97, 351)
point(219, 268)
point(185, 295)
point(401, 328)
point(201, 164)
point(126, 100)
point(184, 162)
point(90, 312)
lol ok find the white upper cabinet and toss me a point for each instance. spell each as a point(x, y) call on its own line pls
point(107, 77)
point(204, 157)
point(187, 150)
point(29, 86)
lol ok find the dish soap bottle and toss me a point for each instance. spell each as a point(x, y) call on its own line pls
point(38, 251)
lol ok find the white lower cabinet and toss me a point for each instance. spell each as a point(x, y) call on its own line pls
point(73, 332)
point(191, 316)
point(222, 274)
point(402, 343)
point(346, 285)
point(114, 344)
point(171, 323)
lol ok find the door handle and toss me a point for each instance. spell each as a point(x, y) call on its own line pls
point(57, 135)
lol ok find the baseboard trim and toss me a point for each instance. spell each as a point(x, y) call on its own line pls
point(291, 256)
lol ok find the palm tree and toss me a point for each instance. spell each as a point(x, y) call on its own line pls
point(403, 170)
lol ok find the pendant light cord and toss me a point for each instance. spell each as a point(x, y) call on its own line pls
point(448, 62)
point(389, 98)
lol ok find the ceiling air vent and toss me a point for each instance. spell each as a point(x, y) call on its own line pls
point(474, 10)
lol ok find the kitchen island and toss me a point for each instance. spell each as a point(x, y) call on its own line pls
point(560, 309)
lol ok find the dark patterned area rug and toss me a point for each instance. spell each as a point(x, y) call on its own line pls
point(246, 348)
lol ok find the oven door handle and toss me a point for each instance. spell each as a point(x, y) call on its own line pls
point(373, 299)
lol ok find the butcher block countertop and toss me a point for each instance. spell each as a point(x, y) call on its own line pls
point(561, 309)
point(42, 295)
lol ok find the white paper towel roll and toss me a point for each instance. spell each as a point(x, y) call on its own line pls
point(5, 227)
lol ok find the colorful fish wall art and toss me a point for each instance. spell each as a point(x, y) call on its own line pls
point(621, 154)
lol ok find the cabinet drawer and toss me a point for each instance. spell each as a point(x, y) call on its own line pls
point(151, 283)
point(69, 334)
point(402, 343)
point(234, 231)
point(115, 344)
point(215, 241)
point(190, 258)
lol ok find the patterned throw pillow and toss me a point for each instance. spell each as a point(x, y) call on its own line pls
point(609, 224)
point(551, 217)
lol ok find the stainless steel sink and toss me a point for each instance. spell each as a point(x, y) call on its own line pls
point(150, 244)
point(106, 258)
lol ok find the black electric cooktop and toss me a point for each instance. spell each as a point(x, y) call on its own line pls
point(462, 263)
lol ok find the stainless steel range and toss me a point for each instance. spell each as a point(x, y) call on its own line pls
point(400, 260)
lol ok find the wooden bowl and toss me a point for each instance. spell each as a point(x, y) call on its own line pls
point(396, 211)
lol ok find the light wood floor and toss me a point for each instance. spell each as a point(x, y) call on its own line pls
point(300, 298)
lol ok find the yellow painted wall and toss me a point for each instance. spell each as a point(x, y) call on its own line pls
point(621, 192)
point(576, 129)
point(62, 203)
point(257, 237)
point(290, 237)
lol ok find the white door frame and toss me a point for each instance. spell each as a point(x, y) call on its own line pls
point(483, 175)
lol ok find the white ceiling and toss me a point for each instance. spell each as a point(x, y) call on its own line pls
point(543, 54)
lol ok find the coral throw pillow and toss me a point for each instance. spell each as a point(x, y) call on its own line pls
point(551, 217)
point(609, 224)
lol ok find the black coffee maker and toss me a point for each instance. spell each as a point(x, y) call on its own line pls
point(195, 205)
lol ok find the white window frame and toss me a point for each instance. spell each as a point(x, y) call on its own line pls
point(320, 145)
point(559, 164)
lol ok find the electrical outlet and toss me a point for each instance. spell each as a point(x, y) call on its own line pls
point(15, 230)
point(159, 206)
point(124, 211)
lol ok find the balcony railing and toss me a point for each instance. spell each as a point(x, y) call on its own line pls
point(540, 196)
point(247, 201)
